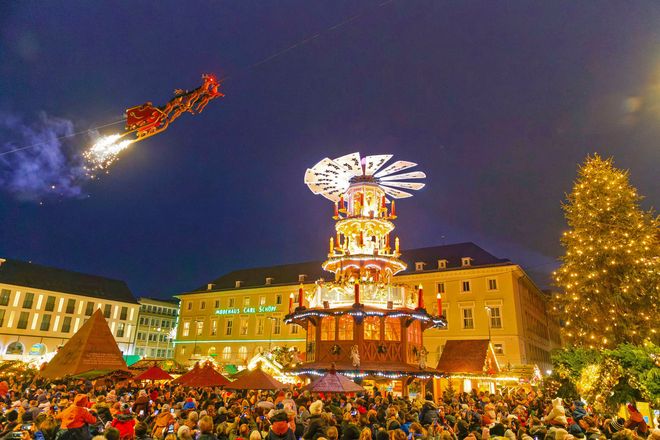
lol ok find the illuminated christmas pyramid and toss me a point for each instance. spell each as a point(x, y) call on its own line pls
point(363, 322)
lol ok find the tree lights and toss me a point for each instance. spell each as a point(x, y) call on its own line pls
point(610, 273)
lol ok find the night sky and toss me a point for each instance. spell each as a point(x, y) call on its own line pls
point(496, 100)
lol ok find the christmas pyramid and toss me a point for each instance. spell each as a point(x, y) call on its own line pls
point(92, 347)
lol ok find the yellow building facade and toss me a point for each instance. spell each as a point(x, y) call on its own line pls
point(156, 328)
point(42, 307)
point(240, 314)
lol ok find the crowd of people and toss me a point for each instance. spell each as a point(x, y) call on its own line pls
point(84, 411)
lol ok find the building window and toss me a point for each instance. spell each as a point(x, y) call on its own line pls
point(468, 317)
point(202, 305)
point(278, 299)
point(442, 264)
point(345, 328)
point(260, 326)
point(277, 326)
point(392, 329)
point(419, 266)
point(186, 328)
point(465, 286)
point(495, 317)
point(50, 303)
point(372, 328)
point(70, 305)
point(2, 317)
point(244, 326)
point(45, 323)
point(498, 349)
point(441, 287)
point(466, 261)
point(229, 327)
point(123, 314)
point(328, 328)
point(189, 305)
point(23, 320)
point(107, 311)
point(246, 301)
point(66, 324)
point(262, 300)
point(226, 353)
point(492, 284)
point(232, 302)
point(301, 278)
point(5, 295)
point(120, 330)
point(90, 308)
point(214, 327)
point(28, 300)
point(294, 329)
point(242, 353)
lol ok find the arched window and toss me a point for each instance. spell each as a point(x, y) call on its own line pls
point(392, 329)
point(242, 353)
point(372, 328)
point(15, 348)
point(38, 350)
point(328, 325)
point(346, 328)
point(211, 351)
point(226, 353)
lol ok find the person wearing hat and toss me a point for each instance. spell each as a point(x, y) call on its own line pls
point(76, 418)
point(316, 424)
point(124, 422)
point(279, 427)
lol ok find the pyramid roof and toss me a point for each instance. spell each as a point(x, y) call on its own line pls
point(256, 379)
point(202, 376)
point(153, 373)
point(333, 382)
point(92, 347)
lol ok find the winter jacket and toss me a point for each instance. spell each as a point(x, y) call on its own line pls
point(76, 415)
point(141, 404)
point(287, 435)
point(579, 410)
point(125, 423)
point(316, 427)
point(429, 413)
point(557, 415)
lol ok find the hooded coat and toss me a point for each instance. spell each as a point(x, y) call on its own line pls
point(76, 415)
point(557, 415)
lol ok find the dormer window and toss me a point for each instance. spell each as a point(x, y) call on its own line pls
point(269, 281)
point(419, 266)
point(466, 261)
point(442, 264)
point(239, 284)
point(210, 286)
point(301, 278)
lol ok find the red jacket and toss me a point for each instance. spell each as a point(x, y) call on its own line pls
point(77, 415)
point(125, 423)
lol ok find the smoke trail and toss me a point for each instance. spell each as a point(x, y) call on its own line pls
point(49, 168)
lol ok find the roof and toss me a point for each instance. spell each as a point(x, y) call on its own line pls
point(464, 356)
point(36, 276)
point(288, 273)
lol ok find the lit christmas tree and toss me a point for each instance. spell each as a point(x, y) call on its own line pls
point(609, 277)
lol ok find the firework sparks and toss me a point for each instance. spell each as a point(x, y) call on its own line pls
point(105, 151)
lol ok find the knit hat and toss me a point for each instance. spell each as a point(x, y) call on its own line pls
point(279, 416)
point(316, 407)
point(617, 424)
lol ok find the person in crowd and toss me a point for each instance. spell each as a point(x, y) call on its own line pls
point(316, 423)
point(124, 422)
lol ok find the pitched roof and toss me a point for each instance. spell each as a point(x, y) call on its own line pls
point(288, 273)
point(36, 276)
point(464, 356)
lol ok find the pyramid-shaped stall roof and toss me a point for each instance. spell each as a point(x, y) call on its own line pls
point(153, 373)
point(256, 379)
point(92, 347)
point(202, 376)
point(333, 382)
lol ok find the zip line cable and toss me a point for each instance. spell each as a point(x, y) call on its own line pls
point(239, 72)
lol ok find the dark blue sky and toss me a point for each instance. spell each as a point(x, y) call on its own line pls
point(496, 100)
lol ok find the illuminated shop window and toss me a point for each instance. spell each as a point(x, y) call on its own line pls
point(392, 329)
point(328, 325)
point(346, 328)
point(372, 328)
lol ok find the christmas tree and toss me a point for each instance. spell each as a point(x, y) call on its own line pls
point(609, 277)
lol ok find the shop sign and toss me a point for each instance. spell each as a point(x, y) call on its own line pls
point(236, 311)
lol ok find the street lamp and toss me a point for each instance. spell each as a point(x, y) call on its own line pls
point(488, 322)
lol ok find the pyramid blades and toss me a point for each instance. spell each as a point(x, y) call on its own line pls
point(397, 166)
point(397, 194)
point(413, 175)
point(405, 185)
point(350, 163)
point(374, 163)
